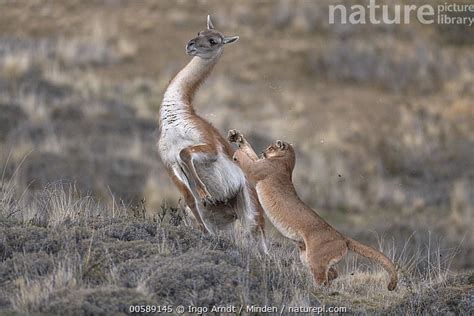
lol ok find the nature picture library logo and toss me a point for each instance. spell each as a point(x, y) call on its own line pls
point(373, 13)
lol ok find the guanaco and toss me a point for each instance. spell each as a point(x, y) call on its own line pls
point(321, 246)
point(198, 159)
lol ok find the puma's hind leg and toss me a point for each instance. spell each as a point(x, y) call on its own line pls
point(320, 273)
point(323, 274)
point(310, 258)
point(302, 249)
point(321, 259)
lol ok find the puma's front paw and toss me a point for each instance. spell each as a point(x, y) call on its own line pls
point(234, 136)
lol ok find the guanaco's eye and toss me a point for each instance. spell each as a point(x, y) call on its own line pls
point(212, 41)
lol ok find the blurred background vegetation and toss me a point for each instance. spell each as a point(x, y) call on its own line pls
point(382, 116)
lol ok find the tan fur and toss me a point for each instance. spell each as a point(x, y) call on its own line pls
point(321, 246)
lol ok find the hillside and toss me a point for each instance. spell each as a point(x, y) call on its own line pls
point(75, 257)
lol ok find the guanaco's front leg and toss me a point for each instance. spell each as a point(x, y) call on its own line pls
point(187, 156)
point(189, 199)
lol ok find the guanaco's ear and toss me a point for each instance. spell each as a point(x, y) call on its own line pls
point(209, 23)
point(230, 39)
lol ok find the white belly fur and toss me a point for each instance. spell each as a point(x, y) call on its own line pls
point(174, 138)
point(221, 176)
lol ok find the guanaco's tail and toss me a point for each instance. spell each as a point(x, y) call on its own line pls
point(377, 256)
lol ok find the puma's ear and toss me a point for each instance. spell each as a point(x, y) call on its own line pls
point(281, 144)
point(230, 39)
point(209, 23)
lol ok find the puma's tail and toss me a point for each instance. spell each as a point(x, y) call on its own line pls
point(377, 256)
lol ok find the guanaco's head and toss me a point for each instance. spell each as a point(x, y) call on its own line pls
point(281, 152)
point(208, 43)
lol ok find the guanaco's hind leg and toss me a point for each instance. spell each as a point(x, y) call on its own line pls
point(259, 230)
point(186, 155)
point(189, 199)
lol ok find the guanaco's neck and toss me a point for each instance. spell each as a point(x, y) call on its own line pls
point(183, 87)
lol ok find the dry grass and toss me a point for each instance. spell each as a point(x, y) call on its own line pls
point(55, 265)
point(31, 295)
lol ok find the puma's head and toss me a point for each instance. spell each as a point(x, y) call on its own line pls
point(282, 152)
point(278, 149)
